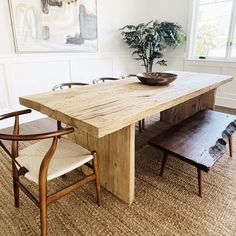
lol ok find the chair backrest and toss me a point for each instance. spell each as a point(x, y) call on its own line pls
point(62, 86)
point(104, 79)
point(127, 76)
point(67, 85)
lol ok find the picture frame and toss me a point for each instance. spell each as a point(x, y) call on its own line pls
point(54, 25)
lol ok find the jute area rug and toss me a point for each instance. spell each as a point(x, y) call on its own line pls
point(163, 206)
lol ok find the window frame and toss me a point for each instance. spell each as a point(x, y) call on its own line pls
point(193, 15)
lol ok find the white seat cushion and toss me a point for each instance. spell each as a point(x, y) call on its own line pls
point(68, 156)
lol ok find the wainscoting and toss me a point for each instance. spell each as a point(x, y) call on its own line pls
point(22, 75)
point(226, 95)
point(25, 75)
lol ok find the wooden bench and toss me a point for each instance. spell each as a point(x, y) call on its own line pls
point(199, 140)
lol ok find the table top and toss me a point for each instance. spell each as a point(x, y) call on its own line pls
point(104, 108)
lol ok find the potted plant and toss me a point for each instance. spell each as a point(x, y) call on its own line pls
point(150, 41)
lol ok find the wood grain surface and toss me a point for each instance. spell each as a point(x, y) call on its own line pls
point(116, 157)
point(199, 140)
point(176, 114)
point(102, 109)
point(104, 115)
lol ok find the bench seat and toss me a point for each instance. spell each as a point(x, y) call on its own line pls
point(199, 140)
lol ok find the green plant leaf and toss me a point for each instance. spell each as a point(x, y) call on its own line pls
point(150, 40)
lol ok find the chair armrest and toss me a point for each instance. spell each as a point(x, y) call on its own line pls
point(29, 137)
point(15, 113)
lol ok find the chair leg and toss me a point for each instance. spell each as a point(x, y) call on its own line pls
point(140, 126)
point(164, 160)
point(200, 182)
point(43, 208)
point(15, 185)
point(231, 146)
point(96, 171)
point(59, 125)
point(143, 124)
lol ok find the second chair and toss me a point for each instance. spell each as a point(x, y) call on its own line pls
point(61, 87)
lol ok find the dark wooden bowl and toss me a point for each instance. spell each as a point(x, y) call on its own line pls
point(156, 78)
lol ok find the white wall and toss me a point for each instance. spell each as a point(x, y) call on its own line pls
point(23, 74)
point(32, 73)
point(173, 11)
point(112, 15)
point(179, 11)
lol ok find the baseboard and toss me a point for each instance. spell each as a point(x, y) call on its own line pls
point(226, 102)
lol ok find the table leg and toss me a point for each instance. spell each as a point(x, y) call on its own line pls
point(116, 157)
point(176, 114)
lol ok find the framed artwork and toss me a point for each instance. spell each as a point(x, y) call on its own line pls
point(54, 25)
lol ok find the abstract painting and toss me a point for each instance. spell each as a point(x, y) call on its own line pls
point(54, 25)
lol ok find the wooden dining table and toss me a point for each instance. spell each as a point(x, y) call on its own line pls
point(104, 117)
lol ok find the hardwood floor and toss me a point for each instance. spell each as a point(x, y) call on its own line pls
point(42, 125)
point(37, 126)
point(226, 110)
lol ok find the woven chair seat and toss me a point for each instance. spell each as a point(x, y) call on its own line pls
point(68, 156)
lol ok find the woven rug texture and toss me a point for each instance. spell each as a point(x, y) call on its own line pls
point(167, 205)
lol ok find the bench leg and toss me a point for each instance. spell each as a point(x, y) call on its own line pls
point(163, 163)
point(231, 146)
point(200, 183)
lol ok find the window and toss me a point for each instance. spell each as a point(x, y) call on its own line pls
point(213, 32)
